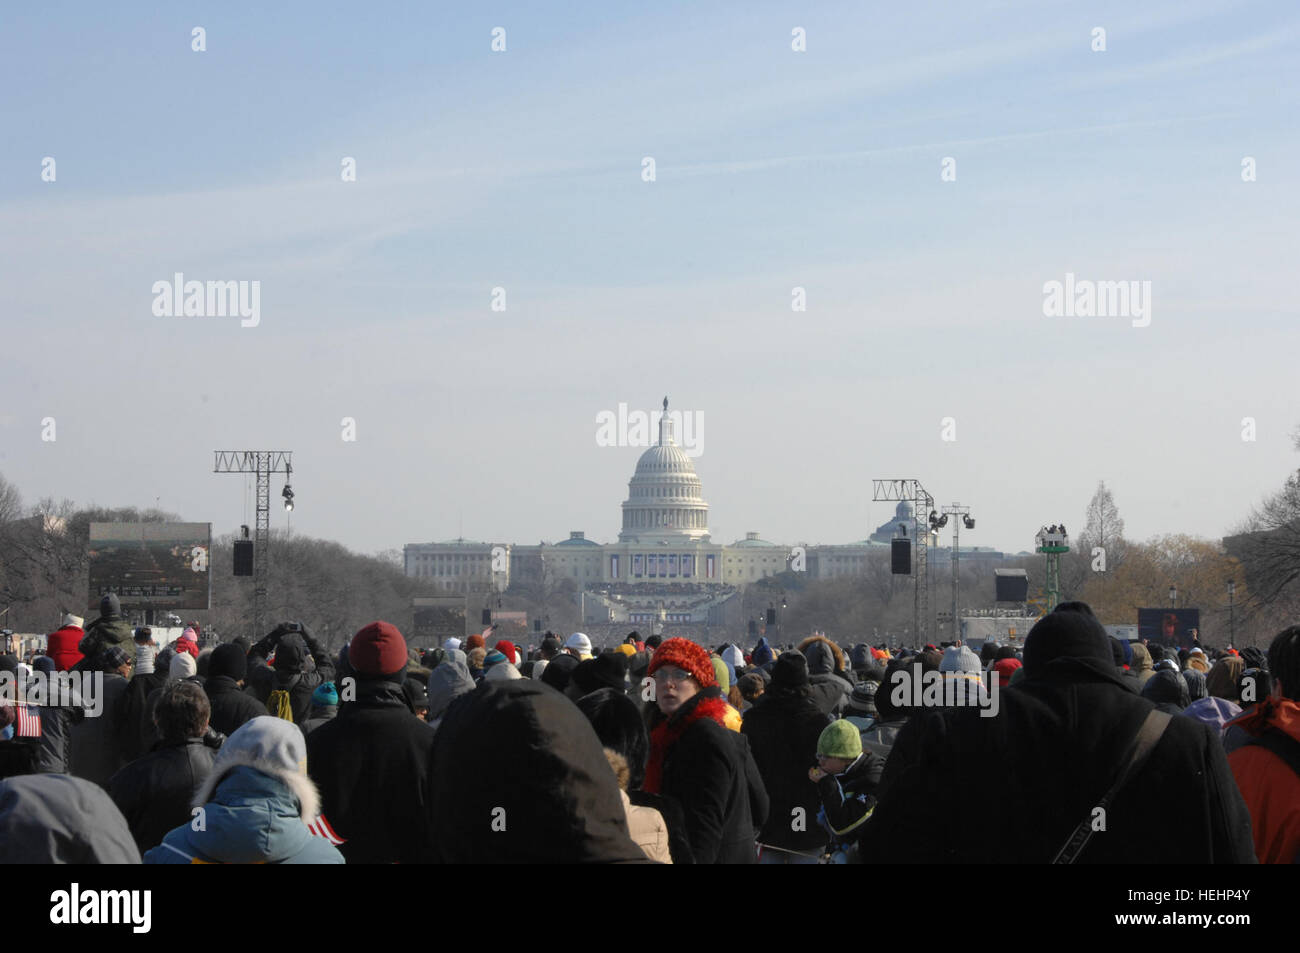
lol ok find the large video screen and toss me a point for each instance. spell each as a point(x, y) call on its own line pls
point(1175, 627)
point(435, 624)
point(150, 565)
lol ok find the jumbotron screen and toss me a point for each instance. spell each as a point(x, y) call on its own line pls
point(150, 565)
point(1172, 627)
point(435, 624)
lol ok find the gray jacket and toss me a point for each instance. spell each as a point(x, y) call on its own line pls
point(447, 682)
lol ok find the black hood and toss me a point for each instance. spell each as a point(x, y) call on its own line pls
point(1167, 687)
point(821, 658)
point(519, 776)
point(1069, 631)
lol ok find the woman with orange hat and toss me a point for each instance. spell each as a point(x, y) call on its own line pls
point(695, 759)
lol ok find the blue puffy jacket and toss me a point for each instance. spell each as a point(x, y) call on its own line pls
point(251, 818)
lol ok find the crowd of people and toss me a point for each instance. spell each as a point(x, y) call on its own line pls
point(653, 750)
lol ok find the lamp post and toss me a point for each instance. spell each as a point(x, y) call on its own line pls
point(1173, 597)
point(938, 521)
point(1232, 596)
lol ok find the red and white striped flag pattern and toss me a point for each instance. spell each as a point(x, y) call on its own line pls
point(29, 722)
point(322, 828)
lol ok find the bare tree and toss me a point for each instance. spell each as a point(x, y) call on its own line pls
point(1103, 527)
point(1268, 545)
point(11, 501)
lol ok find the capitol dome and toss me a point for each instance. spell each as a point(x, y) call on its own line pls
point(665, 501)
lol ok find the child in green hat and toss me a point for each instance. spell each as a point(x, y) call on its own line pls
point(846, 777)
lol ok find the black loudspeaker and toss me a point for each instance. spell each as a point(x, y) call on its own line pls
point(1011, 588)
point(487, 617)
point(753, 627)
point(900, 557)
point(537, 625)
point(771, 617)
point(243, 557)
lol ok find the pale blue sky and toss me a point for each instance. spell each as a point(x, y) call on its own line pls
point(775, 169)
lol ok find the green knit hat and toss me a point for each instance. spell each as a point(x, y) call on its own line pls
point(721, 673)
point(840, 739)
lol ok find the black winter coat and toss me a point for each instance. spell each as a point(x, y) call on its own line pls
point(1038, 769)
point(154, 793)
point(97, 742)
point(371, 763)
point(231, 705)
point(679, 846)
point(711, 772)
point(320, 715)
point(783, 731)
point(55, 753)
point(137, 728)
point(831, 692)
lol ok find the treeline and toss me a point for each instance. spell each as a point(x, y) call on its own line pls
point(334, 591)
point(44, 572)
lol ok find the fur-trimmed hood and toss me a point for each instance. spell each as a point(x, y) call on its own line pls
point(812, 651)
point(299, 786)
point(274, 747)
point(256, 804)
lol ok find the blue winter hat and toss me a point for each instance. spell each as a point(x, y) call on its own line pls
point(325, 694)
point(493, 658)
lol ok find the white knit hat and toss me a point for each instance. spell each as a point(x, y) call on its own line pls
point(70, 619)
point(580, 642)
point(182, 665)
point(502, 672)
point(958, 658)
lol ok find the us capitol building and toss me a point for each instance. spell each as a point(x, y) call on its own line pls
point(665, 567)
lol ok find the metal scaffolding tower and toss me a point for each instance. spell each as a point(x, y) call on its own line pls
point(262, 463)
point(896, 491)
point(1052, 541)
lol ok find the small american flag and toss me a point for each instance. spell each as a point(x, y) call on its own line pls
point(322, 828)
point(29, 722)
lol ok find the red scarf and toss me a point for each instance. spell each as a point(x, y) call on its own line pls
point(707, 704)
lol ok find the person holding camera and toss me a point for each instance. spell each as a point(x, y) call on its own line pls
point(289, 645)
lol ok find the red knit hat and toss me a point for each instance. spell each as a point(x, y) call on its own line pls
point(378, 649)
point(507, 648)
point(686, 655)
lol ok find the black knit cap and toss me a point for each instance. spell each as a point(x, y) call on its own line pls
point(558, 671)
point(1068, 631)
point(228, 660)
point(790, 670)
point(603, 671)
